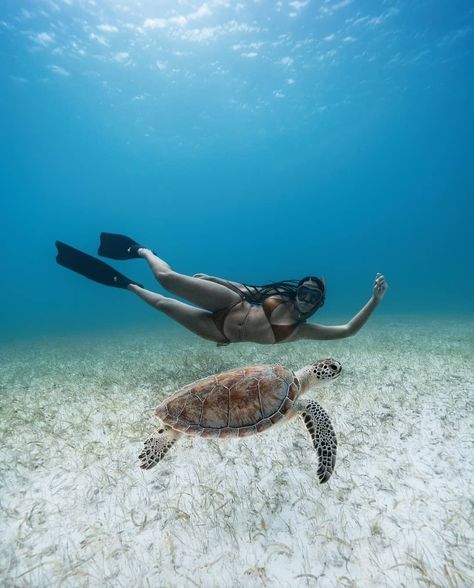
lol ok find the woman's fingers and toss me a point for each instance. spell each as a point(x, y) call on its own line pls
point(380, 285)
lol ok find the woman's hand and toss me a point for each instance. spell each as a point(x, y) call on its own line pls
point(380, 287)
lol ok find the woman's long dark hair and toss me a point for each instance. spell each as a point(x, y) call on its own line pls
point(284, 288)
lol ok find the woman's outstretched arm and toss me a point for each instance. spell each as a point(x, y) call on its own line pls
point(315, 331)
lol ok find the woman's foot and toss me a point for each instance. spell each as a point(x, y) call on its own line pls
point(157, 265)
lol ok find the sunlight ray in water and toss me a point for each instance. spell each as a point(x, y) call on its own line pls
point(297, 175)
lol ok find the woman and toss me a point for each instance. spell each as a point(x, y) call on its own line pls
point(224, 312)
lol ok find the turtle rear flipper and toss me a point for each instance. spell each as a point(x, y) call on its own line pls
point(324, 439)
point(156, 446)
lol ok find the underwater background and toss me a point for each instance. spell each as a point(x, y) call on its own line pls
point(256, 141)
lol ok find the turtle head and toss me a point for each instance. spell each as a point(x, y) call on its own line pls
point(318, 373)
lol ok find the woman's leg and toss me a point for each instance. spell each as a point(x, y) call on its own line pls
point(196, 320)
point(203, 293)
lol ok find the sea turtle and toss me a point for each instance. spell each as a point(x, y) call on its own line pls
point(245, 401)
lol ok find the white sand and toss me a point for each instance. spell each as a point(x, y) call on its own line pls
point(77, 511)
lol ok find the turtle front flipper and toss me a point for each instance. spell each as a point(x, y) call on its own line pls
point(156, 446)
point(322, 433)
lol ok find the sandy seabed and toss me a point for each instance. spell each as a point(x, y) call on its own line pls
point(76, 510)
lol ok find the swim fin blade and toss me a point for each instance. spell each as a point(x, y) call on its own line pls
point(91, 267)
point(118, 246)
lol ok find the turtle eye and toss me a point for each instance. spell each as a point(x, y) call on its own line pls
point(333, 366)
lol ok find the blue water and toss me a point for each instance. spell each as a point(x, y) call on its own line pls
point(257, 141)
